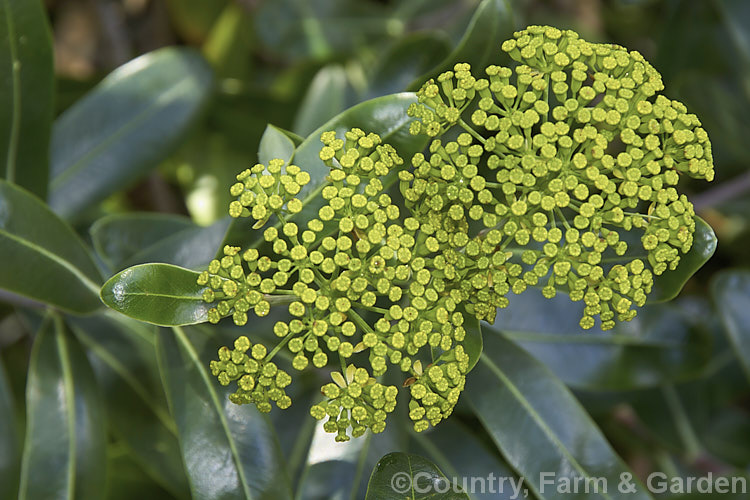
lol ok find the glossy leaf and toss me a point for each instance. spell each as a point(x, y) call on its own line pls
point(404, 475)
point(660, 345)
point(10, 443)
point(161, 294)
point(491, 24)
point(26, 93)
point(64, 450)
point(277, 143)
point(537, 424)
point(125, 240)
point(731, 294)
point(325, 98)
point(43, 259)
point(123, 355)
point(124, 127)
point(471, 459)
point(230, 451)
point(409, 58)
point(473, 341)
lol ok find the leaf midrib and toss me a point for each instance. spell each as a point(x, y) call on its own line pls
point(163, 296)
point(65, 264)
point(180, 334)
point(538, 420)
point(15, 126)
point(70, 407)
point(146, 113)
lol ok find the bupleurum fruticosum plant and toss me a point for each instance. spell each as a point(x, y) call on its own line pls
point(534, 174)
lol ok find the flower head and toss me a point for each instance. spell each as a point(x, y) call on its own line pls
point(559, 173)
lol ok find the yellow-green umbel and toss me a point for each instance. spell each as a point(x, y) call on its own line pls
point(559, 173)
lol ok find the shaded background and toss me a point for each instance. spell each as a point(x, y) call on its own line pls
point(296, 63)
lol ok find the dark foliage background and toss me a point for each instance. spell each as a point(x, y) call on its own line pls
point(668, 393)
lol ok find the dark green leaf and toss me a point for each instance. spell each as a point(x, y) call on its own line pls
point(660, 345)
point(125, 240)
point(491, 24)
point(537, 424)
point(124, 127)
point(64, 450)
point(728, 437)
point(409, 58)
point(318, 29)
point(471, 459)
point(26, 93)
point(731, 294)
point(404, 475)
point(127, 481)
point(123, 355)
point(10, 443)
point(161, 294)
point(277, 143)
point(326, 97)
point(230, 451)
point(42, 257)
point(473, 340)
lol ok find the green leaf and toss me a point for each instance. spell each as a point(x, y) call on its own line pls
point(64, 450)
point(473, 341)
point(277, 143)
point(491, 24)
point(123, 355)
point(409, 58)
point(471, 459)
point(230, 451)
point(124, 127)
point(127, 481)
point(160, 294)
point(660, 345)
point(10, 446)
point(537, 424)
point(26, 93)
point(404, 475)
point(668, 285)
point(325, 98)
point(124, 240)
point(731, 293)
point(43, 259)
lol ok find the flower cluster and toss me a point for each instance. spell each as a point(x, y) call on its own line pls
point(357, 402)
point(259, 380)
point(536, 176)
point(558, 158)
